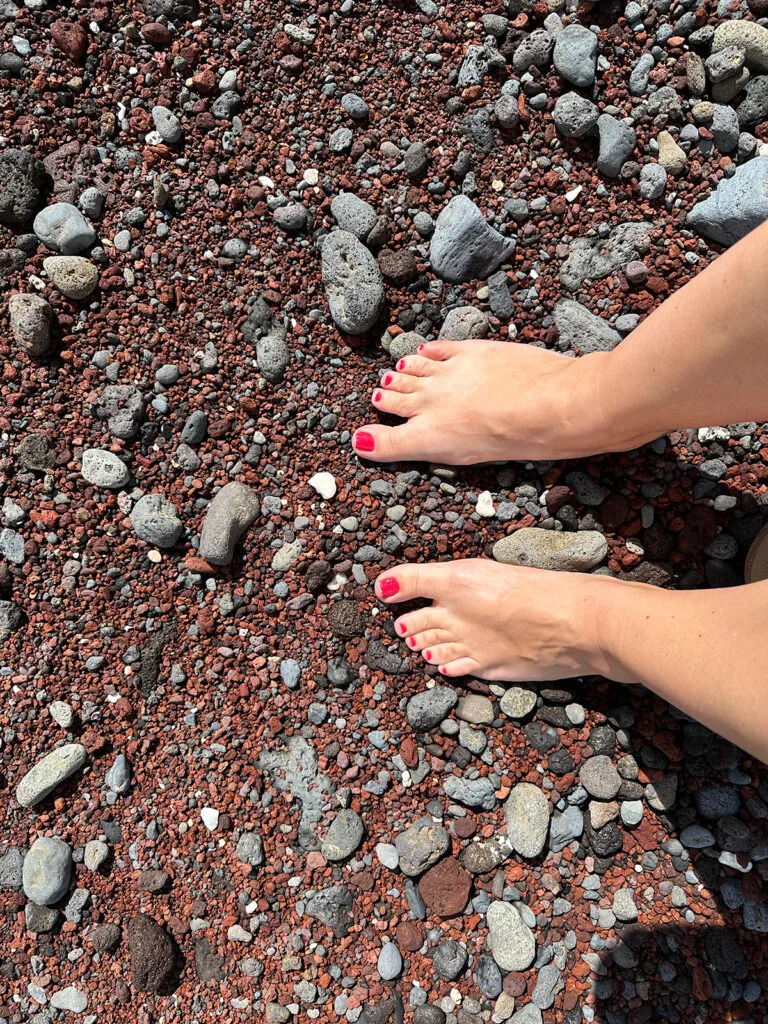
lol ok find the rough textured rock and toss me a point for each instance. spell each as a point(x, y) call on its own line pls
point(47, 871)
point(74, 276)
point(344, 835)
point(575, 55)
point(353, 214)
point(155, 521)
point(104, 469)
point(427, 709)
point(578, 328)
point(464, 246)
point(31, 318)
point(737, 205)
point(332, 906)
point(575, 116)
point(421, 845)
point(617, 144)
point(269, 336)
point(748, 36)
point(550, 549)
point(153, 955)
point(23, 182)
point(352, 282)
point(63, 228)
point(527, 812)
point(510, 940)
point(232, 511)
point(50, 772)
point(595, 258)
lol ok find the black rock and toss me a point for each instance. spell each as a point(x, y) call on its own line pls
point(207, 964)
point(153, 955)
point(345, 621)
point(332, 906)
point(23, 183)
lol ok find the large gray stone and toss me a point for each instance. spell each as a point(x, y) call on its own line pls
point(575, 55)
point(74, 276)
point(617, 144)
point(50, 772)
point(510, 940)
point(352, 282)
point(421, 845)
point(464, 323)
point(155, 521)
point(31, 318)
point(737, 205)
point(595, 258)
point(23, 181)
point(63, 228)
point(427, 709)
point(229, 515)
point(353, 214)
point(104, 469)
point(747, 35)
point(344, 835)
point(578, 328)
point(464, 246)
point(47, 870)
point(527, 813)
point(550, 549)
point(575, 116)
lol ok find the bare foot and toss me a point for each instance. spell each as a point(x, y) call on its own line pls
point(502, 622)
point(481, 401)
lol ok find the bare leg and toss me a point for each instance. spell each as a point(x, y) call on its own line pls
point(700, 359)
point(501, 622)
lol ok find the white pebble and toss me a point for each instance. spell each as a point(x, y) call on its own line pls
point(485, 506)
point(324, 484)
point(210, 818)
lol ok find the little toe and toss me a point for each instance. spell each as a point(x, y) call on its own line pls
point(416, 366)
point(411, 580)
point(460, 667)
point(443, 653)
point(439, 350)
point(429, 638)
point(394, 403)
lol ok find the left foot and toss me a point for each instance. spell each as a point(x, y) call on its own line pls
point(501, 622)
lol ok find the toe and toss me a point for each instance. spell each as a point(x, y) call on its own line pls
point(429, 638)
point(394, 403)
point(460, 667)
point(439, 351)
point(416, 366)
point(403, 382)
point(388, 444)
point(444, 653)
point(420, 620)
point(407, 582)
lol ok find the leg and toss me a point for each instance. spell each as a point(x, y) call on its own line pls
point(700, 359)
point(501, 622)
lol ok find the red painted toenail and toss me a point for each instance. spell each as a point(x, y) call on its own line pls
point(389, 586)
point(411, 641)
point(428, 655)
point(401, 365)
point(364, 441)
point(387, 379)
point(401, 628)
point(441, 668)
point(377, 396)
point(420, 348)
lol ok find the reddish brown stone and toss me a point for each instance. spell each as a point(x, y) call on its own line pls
point(410, 936)
point(70, 38)
point(445, 888)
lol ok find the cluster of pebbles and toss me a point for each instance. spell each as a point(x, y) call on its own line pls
point(227, 791)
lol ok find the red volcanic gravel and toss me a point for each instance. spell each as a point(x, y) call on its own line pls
point(223, 695)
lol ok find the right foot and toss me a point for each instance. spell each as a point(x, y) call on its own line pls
point(466, 402)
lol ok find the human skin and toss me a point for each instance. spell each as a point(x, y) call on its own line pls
point(700, 359)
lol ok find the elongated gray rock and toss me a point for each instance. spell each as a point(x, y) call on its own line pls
point(510, 940)
point(352, 283)
point(31, 318)
point(464, 246)
point(527, 813)
point(50, 772)
point(575, 55)
point(550, 549)
point(737, 205)
point(578, 328)
point(269, 336)
point(64, 229)
point(229, 515)
point(617, 144)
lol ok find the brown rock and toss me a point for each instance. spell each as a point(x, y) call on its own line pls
point(153, 955)
point(70, 38)
point(445, 888)
point(399, 266)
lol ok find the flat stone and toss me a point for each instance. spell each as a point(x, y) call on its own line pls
point(527, 813)
point(617, 144)
point(471, 792)
point(333, 907)
point(47, 871)
point(599, 777)
point(63, 228)
point(445, 888)
point(426, 710)
point(344, 835)
point(510, 940)
point(476, 709)
point(464, 246)
point(390, 962)
point(50, 772)
point(596, 258)
point(566, 826)
point(155, 521)
point(464, 323)
point(70, 998)
point(517, 702)
point(736, 206)
point(624, 905)
point(578, 551)
point(74, 276)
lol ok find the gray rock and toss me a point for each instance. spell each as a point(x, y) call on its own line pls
point(575, 116)
point(474, 67)
point(12, 546)
point(344, 835)
point(332, 906)
point(661, 795)
point(406, 344)
point(638, 79)
point(118, 777)
point(63, 228)
point(91, 202)
point(352, 282)
point(736, 206)
point(70, 998)
point(49, 773)
point(506, 112)
point(548, 983)
point(529, 1014)
point(31, 318)
point(269, 336)
point(575, 55)
point(725, 63)
point(74, 276)
point(421, 845)
point(535, 48)
point(355, 106)
point(471, 792)
point(550, 549)
point(517, 702)
point(617, 144)
point(415, 161)
point(749, 37)
point(292, 218)
point(390, 962)
point(427, 709)
point(195, 428)
point(754, 107)
point(696, 837)
point(595, 258)
point(565, 826)
point(653, 181)
point(624, 905)
point(725, 128)
point(250, 849)
point(104, 469)
point(11, 619)
point(167, 124)
point(510, 940)
point(578, 328)
point(488, 977)
point(464, 323)
point(122, 406)
point(341, 140)
point(177, 11)
point(232, 511)
point(353, 214)
point(449, 959)
point(11, 864)
point(95, 854)
point(527, 813)
point(155, 521)
point(40, 919)
point(599, 777)
point(47, 871)
point(23, 182)
point(464, 246)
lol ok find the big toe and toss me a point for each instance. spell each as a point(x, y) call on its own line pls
point(387, 444)
point(409, 581)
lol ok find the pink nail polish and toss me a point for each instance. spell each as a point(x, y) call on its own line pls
point(441, 668)
point(411, 641)
point(389, 586)
point(401, 628)
point(377, 396)
point(401, 365)
point(428, 655)
point(420, 348)
point(364, 441)
point(387, 379)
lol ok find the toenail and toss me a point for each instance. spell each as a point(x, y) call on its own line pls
point(389, 586)
point(386, 379)
point(428, 655)
point(441, 668)
point(411, 641)
point(401, 365)
point(401, 628)
point(420, 348)
point(377, 396)
point(364, 441)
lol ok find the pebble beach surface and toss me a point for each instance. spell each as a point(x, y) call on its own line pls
point(228, 791)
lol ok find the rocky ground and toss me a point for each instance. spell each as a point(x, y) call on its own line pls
point(227, 791)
